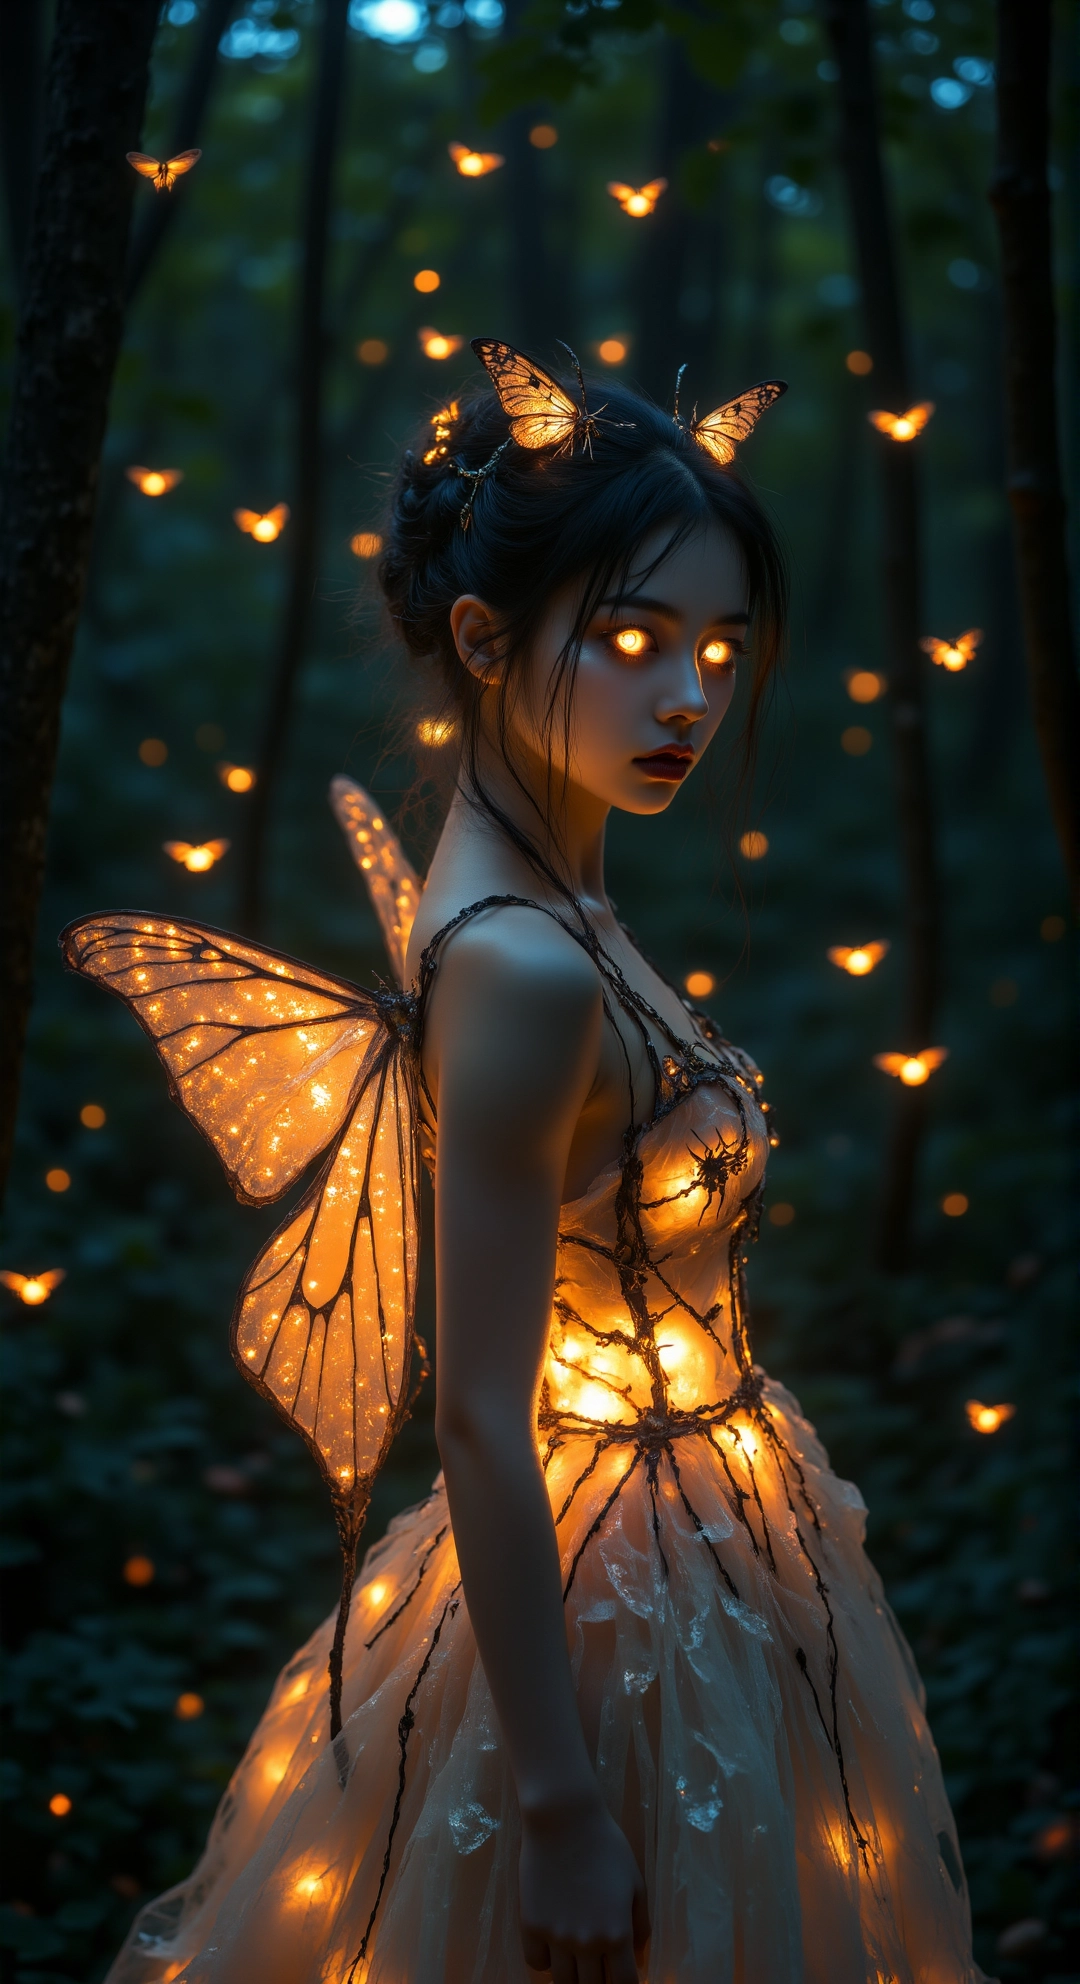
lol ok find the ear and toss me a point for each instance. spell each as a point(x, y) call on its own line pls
point(475, 629)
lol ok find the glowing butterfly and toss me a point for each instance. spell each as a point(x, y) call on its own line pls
point(474, 165)
point(912, 1069)
point(154, 481)
point(903, 426)
point(637, 201)
point(722, 430)
point(859, 959)
point(987, 1418)
point(442, 426)
point(32, 1289)
point(262, 525)
point(282, 1067)
point(164, 171)
point(541, 414)
point(195, 857)
point(953, 655)
point(436, 344)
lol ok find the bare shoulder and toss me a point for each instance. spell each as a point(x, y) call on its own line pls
point(516, 1005)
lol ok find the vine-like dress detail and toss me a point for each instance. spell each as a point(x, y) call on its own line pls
point(753, 1709)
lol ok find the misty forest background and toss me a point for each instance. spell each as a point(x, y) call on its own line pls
point(130, 1435)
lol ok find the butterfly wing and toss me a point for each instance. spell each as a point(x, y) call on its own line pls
point(722, 430)
point(323, 1322)
point(245, 519)
point(392, 882)
point(540, 412)
point(264, 1054)
point(145, 166)
point(933, 1056)
point(619, 191)
point(890, 1064)
point(838, 954)
point(279, 515)
point(884, 422)
point(920, 414)
point(182, 163)
point(969, 641)
point(654, 189)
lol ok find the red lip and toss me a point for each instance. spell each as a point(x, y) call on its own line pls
point(671, 764)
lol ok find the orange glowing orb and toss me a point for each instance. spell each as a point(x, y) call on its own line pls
point(474, 165)
point(436, 344)
point(139, 1571)
point(195, 858)
point(238, 778)
point(188, 1707)
point(163, 171)
point(903, 426)
point(859, 958)
point(57, 1179)
point(154, 481)
point(912, 1069)
point(373, 351)
point(33, 1289)
point(953, 655)
point(59, 1804)
point(262, 525)
point(955, 1204)
point(865, 685)
point(543, 136)
point(366, 543)
point(92, 1116)
point(699, 984)
point(612, 350)
point(426, 281)
point(754, 846)
point(435, 731)
point(859, 362)
point(987, 1418)
point(637, 201)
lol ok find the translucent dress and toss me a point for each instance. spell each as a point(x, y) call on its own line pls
point(754, 1712)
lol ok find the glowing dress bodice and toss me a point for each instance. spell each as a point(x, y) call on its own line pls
point(754, 1713)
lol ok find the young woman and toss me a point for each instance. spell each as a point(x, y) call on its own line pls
point(623, 1696)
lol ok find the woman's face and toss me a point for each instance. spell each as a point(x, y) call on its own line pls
point(655, 677)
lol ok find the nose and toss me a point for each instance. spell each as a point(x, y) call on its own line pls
point(682, 697)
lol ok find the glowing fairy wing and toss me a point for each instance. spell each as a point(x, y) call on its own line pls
point(393, 883)
point(323, 1322)
point(264, 1054)
point(540, 412)
point(722, 430)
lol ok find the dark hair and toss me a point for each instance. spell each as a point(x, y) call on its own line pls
point(541, 519)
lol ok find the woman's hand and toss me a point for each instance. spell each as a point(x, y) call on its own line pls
point(584, 1916)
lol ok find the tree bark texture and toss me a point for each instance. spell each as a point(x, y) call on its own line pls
point(312, 345)
point(872, 227)
point(677, 268)
point(1020, 197)
point(536, 293)
point(159, 213)
point(68, 342)
point(21, 42)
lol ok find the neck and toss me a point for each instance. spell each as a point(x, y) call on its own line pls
point(561, 819)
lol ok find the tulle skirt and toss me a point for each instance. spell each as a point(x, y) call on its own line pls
point(754, 1712)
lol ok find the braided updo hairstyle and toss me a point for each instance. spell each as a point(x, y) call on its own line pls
point(541, 520)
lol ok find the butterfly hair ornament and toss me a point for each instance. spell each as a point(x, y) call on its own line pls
point(476, 477)
point(540, 412)
point(721, 431)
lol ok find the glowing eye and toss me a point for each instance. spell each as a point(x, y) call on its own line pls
point(716, 652)
point(631, 640)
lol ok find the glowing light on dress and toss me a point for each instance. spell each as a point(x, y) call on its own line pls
point(263, 525)
point(33, 1289)
point(859, 958)
point(198, 857)
point(902, 426)
point(474, 165)
point(953, 655)
point(912, 1069)
point(987, 1418)
point(154, 481)
point(637, 201)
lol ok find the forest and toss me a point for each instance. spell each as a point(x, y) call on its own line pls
point(883, 916)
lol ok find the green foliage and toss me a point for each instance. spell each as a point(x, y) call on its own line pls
point(129, 1433)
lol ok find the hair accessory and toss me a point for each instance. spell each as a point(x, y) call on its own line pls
point(541, 414)
point(722, 430)
point(476, 477)
point(442, 426)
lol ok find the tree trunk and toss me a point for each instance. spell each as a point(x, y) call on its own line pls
point(159, 213)
point(678, 244)
point(21, 42)
point(901, 576)
point(68, 343)
point(538, 303)
point(1020, 197)
point(307, 473)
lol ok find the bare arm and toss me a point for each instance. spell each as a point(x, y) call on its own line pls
point(513, 1038)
